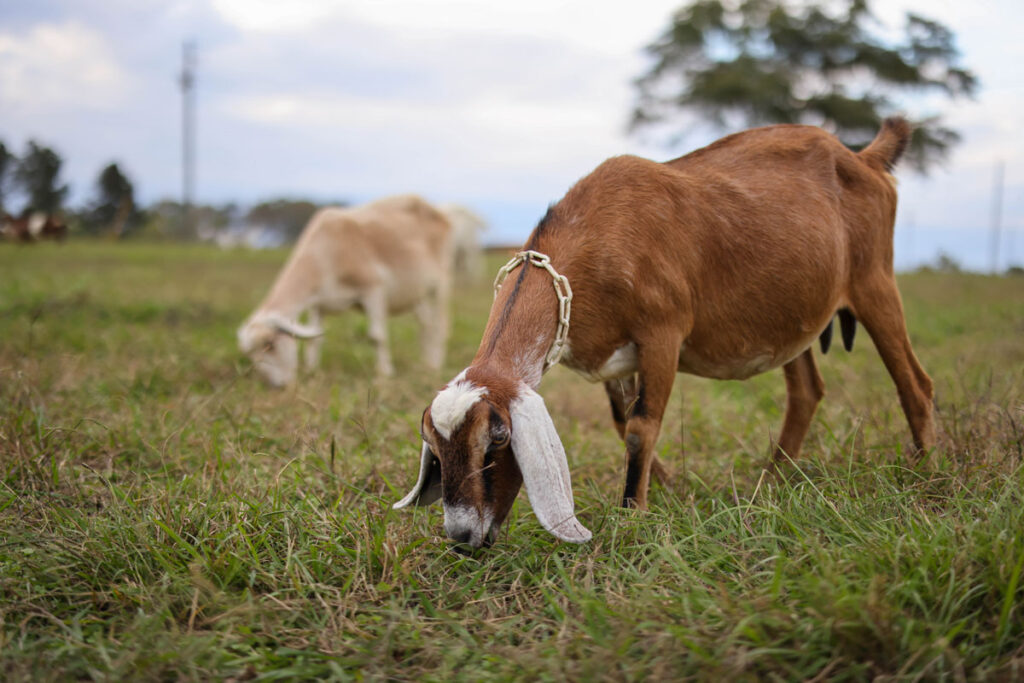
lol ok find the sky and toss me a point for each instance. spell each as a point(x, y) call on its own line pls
point(498, 106)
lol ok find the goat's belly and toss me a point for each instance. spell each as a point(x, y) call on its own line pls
point(754, 361)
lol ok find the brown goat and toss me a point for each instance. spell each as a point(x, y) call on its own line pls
point(724, 263)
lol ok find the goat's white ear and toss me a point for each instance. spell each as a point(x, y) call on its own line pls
point(544, 466)
point(297, 329)
point(428, 484)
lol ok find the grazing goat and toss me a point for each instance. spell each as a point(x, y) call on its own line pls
point(385, 257)
point(724, 263)
point(466, 229)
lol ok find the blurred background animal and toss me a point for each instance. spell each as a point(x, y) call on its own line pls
point(386, 257)
point(467, 225)
point(34, 226)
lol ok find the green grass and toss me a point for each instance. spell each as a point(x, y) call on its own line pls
point(165, 516)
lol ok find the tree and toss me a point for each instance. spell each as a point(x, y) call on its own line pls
point(288, 216)
point(164, 219)
point(754, 62)
point(114, 210)
point(37, 176)
point(7, 164)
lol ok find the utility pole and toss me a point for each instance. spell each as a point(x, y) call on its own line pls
point(188, 137)
point(997, 213)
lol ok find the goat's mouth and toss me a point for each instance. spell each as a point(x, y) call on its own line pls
point(469, 545)
point(469, 530)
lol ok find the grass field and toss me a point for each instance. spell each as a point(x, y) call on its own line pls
point(165, 516)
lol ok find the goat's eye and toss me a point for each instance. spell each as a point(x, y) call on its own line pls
point(500, 440)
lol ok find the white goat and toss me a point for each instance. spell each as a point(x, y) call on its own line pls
point(466, 228)
point(386, 257)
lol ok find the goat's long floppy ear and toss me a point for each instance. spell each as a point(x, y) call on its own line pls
point(428, 484)
point(295, 328)
point(544, 466)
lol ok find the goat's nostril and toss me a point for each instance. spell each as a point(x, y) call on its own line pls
point(462, 537)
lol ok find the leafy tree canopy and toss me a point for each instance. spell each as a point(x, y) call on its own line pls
point(37, 176)
point(113, 210)
point(7, 164)
point(754, 62)
point(165, 221)
point(286, 215)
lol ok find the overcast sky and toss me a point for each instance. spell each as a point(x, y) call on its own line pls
point(500, 106)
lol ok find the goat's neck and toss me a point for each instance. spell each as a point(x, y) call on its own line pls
point(296, 288)
point(521, 329)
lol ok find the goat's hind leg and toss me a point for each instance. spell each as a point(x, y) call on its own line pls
point(877, 305)
point(621, 394)
point(804, 390)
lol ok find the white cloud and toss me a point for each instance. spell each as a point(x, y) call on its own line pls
point(601, 27)
point(67, 65)
point(273, 16)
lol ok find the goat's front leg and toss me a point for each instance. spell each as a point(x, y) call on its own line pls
point(312, 346)
point(804, 390)
point(375, 304)
point(621, 396)
point(658, 359)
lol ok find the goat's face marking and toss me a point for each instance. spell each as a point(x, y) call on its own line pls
point(448, 411)
point(479, 474)
point(486, 445)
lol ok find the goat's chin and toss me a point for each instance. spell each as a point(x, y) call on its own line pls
point(276, 381)
point(470, 530)
point(467, 547)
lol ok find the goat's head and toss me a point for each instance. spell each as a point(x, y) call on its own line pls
point(269, 340)
point(480, 444)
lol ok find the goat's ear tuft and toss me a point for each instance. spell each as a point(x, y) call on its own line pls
point(428, 484)
point(542, 461)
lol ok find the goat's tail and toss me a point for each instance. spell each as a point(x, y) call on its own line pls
point(890, 143)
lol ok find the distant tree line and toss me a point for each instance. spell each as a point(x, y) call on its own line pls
point(31, 183)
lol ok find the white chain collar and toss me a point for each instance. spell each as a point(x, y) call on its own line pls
point(562, 290)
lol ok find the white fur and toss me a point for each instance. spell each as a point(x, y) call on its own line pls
point(421, 481)
point(448, 411)
point(397, 249)
point(461, 518)
point(622, 362)
point(529, 363)
point(544, 466)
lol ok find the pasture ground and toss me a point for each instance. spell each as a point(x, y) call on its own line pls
point(165, 516)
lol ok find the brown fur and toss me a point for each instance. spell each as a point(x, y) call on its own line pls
point(723, 263)
point(21, 229)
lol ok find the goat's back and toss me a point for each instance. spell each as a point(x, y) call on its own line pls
point(399, 243)
point(755, 237)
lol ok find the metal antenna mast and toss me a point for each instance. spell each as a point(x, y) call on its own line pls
point(188, 135)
